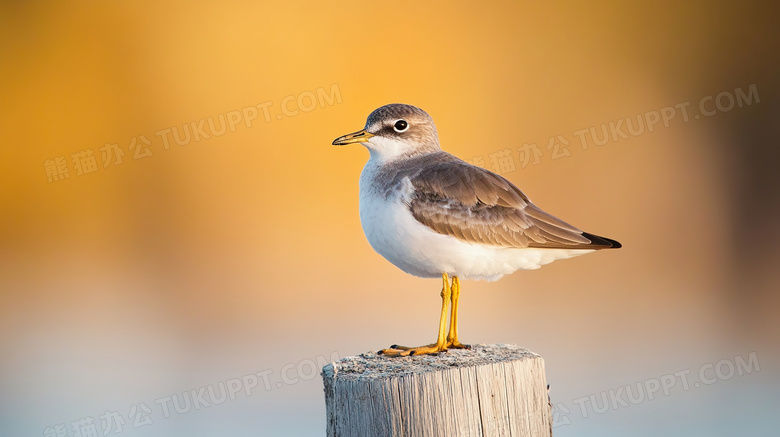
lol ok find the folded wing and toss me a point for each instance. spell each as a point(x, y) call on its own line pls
point(477, 206)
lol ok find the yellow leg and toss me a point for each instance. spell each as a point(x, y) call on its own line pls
point(440, 345)
point(452, 336)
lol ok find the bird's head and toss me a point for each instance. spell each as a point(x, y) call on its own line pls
point(395, 131)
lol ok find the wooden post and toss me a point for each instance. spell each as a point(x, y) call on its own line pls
point(489, 390)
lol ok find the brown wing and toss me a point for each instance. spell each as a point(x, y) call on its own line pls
point(475, 205)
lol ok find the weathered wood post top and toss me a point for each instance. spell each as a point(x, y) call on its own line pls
point(488, 390)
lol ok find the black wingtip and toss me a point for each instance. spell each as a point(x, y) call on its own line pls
point(602, 242)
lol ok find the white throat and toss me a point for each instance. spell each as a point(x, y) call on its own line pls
point(385, 149)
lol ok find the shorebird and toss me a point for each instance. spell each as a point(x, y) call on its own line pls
point(434, 215)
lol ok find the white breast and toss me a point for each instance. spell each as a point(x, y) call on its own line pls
point(416, 249)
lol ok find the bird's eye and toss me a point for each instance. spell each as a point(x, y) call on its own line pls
point(401, 125)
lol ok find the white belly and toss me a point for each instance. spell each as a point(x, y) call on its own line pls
point(416, 249)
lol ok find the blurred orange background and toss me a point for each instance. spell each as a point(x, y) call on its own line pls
point(188, 266)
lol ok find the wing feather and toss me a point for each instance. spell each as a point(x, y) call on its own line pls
point(472, 204)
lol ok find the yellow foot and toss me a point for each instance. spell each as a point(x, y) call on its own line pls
point(404, 351)
point(456, 345)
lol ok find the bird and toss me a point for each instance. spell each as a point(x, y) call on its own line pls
point(434, 215)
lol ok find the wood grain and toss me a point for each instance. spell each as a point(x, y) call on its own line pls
point(489, 390)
